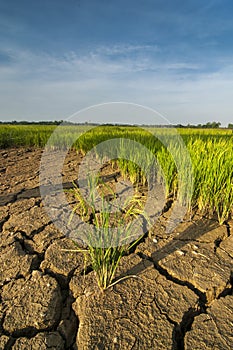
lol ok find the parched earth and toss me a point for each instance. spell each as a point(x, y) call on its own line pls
point(181, 298)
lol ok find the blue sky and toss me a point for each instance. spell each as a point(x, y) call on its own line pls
point(57, 57)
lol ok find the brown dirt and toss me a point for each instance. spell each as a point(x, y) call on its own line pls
point(182, 298)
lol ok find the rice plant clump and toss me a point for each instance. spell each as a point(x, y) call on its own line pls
point(112, 234)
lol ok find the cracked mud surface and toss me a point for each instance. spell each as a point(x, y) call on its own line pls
point(181, 299)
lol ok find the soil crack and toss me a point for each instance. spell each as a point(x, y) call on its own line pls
point(164, 313)
point(185, 326)
point(169, 277)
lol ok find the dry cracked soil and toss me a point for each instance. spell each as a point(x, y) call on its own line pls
point(182, 298)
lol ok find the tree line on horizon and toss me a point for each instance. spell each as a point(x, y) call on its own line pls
point(209, 125)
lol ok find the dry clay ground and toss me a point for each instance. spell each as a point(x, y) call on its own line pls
point(182, 300)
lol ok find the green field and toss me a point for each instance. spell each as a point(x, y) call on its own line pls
point(210, 151)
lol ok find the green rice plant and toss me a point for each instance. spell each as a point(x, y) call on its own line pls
point(213, 180)
point(24, 135)
point(105, 245)
point(169, 171)
point(211, 152)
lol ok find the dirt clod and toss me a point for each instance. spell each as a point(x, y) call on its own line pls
point(41, 341)
point(31, 305)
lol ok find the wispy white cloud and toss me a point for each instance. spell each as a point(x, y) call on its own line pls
point(100, 62)
point(45, 86)
point(95, 62)
point(182, 66)
point(119, 49)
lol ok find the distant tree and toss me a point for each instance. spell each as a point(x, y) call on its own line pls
point(212, 125)
point(230, 126)
point(57, 122)
point(216, 125)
